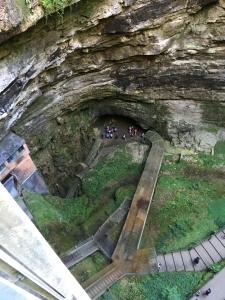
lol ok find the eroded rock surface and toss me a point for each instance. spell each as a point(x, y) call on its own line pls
point(161, 63)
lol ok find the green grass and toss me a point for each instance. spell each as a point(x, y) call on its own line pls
point(214, 160)
point(108, 172)
point(66, 222)
point(162, 286)
point(185, 218)
point(125, 192)
point(89, 266)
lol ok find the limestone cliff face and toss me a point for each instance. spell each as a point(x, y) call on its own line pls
point(17, 16)
point(160, 62)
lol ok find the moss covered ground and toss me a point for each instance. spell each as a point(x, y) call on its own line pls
point(189, 202)
point(66, 222)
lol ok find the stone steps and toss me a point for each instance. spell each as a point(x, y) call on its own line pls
point(209, 251)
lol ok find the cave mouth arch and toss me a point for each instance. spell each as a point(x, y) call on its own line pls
point(120, 122)
point(60, 138)
point(93, 132)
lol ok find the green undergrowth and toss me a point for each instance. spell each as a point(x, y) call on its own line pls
point(89, 266)
point(189, 201)
point(51, 6)
point(125, 192)
point(218, 159)
point(216, 267)
point(84, 8)
point(161, 286)
point(66, 222)
point(108, 172)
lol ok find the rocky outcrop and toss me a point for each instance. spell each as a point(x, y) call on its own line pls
point(159, 62)
point(17, 16)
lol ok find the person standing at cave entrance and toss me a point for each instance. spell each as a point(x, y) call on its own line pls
point(129, 129)
point(115, 129)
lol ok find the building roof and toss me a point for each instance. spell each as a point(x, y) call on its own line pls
point(9, 145)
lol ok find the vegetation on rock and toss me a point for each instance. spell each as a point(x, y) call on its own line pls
point(59, 148)
point(66, 222)
point(51, 6)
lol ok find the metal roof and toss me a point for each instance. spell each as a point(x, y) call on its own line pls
point(9, 145)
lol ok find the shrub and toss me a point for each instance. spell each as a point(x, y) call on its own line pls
point(171, 293)
point(51, 6)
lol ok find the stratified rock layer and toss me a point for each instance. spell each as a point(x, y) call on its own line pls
point(161, 63)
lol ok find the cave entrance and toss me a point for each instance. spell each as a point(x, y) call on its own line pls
point(114, 128)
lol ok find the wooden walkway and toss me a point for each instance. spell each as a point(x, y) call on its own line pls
point(132, 231)
point(97, 241)
point(80, 252)
point(129, 241)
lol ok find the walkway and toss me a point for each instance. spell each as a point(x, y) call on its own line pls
point(79, 252)
point(102, 236)
point(125, 254)
point(133, 229)
point(217, 286)
point(100, 241)
point(99, 283)
point(209, 251)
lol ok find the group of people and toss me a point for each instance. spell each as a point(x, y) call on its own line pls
point(208, 291)
point(112, 132)
point(132, 131)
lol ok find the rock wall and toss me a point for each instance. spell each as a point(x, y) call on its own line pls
point(160, 62)
point(17, 16)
